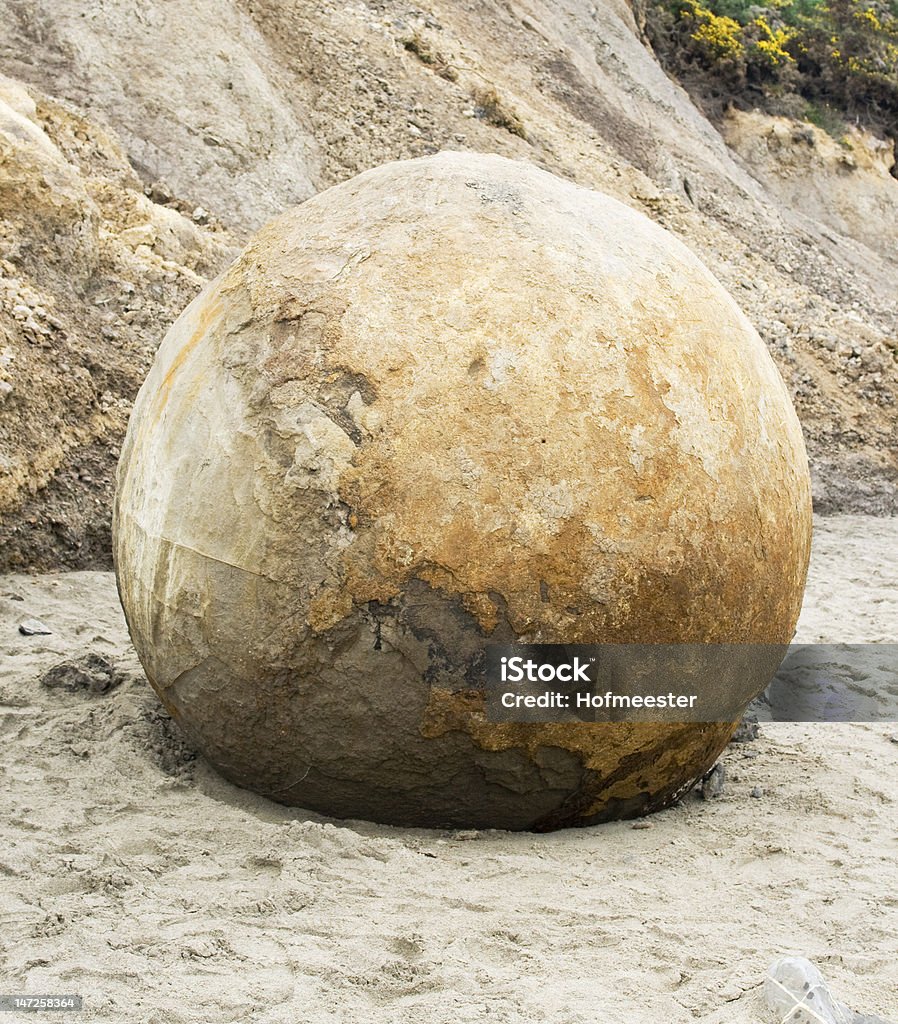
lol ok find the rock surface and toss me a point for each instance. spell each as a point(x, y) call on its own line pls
point(452, 399)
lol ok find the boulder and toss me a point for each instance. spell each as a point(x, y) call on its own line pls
point(452, 401)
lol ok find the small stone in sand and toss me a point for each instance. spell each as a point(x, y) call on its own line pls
point(92, 672)
point(757, 792)
point(748, 730)
point(34, 627)
point(712, 782)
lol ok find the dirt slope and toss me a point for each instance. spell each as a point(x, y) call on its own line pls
point(243, 107)
point(90, 272)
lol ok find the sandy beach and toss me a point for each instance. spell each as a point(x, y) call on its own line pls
point(131, 874)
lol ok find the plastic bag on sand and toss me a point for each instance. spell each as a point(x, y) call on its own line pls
point(797, 994)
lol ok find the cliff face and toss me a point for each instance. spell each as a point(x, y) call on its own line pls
point(176, 128)
point(843, 184)
point(91, 271)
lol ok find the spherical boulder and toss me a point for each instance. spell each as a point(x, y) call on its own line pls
point(454, 400)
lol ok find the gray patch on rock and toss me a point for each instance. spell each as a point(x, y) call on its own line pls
point(491, 193)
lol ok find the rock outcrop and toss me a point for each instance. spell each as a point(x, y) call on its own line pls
point(843, 184)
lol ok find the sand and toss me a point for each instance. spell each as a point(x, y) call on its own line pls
point(132, 875)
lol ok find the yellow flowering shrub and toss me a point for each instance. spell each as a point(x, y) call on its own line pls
point(721, 37)
point(838, 55)
point(771, 47)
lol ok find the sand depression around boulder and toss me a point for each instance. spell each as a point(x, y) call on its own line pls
point(452, 400)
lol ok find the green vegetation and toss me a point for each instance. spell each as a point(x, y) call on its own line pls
point(835, 60)
point(826, 117)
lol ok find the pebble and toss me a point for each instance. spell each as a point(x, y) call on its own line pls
point(757, 792)
point(139, 234)
point(642, 824)
point(713, 782)
point(747, 730)
point(159, 192)
point(34, 627)
point(94, 673)
point(198, 949)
